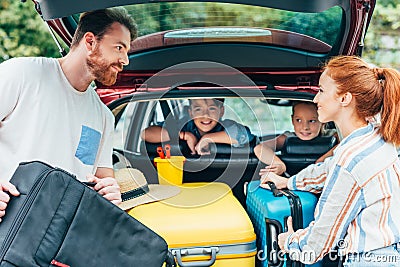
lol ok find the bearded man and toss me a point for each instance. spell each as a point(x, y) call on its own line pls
point(50, 112)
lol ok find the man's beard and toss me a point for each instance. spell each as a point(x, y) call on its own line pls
point(101, 68)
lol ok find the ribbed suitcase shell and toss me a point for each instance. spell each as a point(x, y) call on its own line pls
point(262, 204)
point(203, 215)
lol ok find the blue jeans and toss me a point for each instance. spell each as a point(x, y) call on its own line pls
point(387, 256)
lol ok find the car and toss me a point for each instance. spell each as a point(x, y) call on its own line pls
point(260, 56)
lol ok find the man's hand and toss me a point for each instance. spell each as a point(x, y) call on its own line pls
point(107, 187)
point(4, 197)
point(283, 236)
point(279, 181)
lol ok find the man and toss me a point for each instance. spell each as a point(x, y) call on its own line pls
point(49, 113)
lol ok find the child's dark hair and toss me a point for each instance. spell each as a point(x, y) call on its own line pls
point(218, 101)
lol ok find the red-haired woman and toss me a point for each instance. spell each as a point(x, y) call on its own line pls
point(359, 206)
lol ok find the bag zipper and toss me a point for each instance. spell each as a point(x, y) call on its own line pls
point(59, 264)
point(23, 211)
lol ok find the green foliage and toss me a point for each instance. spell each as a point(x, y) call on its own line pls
point(22, 32)
point(311, 24)
point(382, 42)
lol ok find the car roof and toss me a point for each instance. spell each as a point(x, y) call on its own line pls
point(274, 56)
point(52, 9)
point(344, 21)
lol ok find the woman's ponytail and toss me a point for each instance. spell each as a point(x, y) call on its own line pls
point(390, 114)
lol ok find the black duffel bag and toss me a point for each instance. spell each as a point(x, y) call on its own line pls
point(58, 221)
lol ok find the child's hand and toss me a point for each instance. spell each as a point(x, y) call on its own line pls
point(202, 147)
point(275, 168)
point(191, 141)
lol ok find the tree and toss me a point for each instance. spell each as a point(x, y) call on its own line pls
point(22, 32)
point(382, 42)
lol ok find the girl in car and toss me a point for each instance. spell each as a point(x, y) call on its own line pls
point(358, 209)
point(306, 127)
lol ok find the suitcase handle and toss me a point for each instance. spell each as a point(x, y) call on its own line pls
point(275, 191)
point(273, 229)
point(196, 251)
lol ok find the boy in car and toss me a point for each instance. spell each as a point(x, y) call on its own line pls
point(206, 126)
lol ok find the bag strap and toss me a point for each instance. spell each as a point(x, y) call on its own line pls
point(170, 260)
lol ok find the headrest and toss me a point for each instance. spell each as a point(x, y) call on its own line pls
point(317, 146)
point(226, 149)
point(215, 149)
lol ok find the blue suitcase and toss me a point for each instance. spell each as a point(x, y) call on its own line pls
point(269, 213)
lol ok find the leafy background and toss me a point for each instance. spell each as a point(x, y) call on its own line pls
point(23, 33)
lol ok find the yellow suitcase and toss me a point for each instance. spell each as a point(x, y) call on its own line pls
point(204, 225)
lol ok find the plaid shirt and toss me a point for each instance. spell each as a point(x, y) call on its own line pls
point(359, 206)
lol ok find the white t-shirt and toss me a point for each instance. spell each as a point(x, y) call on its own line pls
point(42, 117)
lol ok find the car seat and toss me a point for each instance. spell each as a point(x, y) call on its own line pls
point(298, 154)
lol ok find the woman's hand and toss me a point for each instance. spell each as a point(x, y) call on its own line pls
point(279, 181)
point(283, 236)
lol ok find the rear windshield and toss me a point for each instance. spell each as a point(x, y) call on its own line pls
point(157, 17)
point(193, 22)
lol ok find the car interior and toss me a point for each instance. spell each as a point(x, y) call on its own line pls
point(266, 116)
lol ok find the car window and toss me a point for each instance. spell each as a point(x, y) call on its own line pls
point(155, 17)
point(120, 129)
point(262, 118)
point(210, 21)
